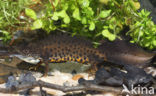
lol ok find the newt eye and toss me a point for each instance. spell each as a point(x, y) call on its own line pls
point(25, 51)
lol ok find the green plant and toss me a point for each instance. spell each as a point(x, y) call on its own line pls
point(5, 36)
point(9, 13)
point(97, 19)
point(143, 31)
point(80, 17)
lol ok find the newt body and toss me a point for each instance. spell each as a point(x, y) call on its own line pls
point(61, 48)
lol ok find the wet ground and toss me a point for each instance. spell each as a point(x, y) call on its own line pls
point(17, 66)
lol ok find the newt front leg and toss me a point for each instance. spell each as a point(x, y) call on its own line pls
point(37, 65)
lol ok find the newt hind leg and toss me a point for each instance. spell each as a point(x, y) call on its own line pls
point(94, 61)
point(46, 68)
point(92, 70)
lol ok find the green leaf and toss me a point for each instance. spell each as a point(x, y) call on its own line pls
point(146, 44)
point(92, 26)
point(73, 6)
point(64, 25)
point(30, 13)
point(76, 14)
point(88, 11)
point(147, 14)
point(108, 35)
point(65, 6)
point(111, 26)
point(37, 24)
point(85, 3)
point(55, 16)
point(132, 41)
point(62, 14)
point(66, 20)
point(154, 42)
point(84, 20)
point(105, 13)
point(143, 12)
point(56, 2)
point(104, 1)
point(105, 27)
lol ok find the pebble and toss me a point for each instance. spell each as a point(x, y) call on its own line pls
point(11, 82)
point(28, 77)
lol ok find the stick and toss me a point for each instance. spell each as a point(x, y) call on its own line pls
point(86, 86)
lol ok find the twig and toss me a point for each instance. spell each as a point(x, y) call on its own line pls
point(51, 2)
point(86, 86)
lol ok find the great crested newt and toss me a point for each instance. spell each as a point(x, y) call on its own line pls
point(63, 47)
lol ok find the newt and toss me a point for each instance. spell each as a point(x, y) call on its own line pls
point(63, 47)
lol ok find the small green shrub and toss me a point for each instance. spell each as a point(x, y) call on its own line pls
point(9, 13)
point(95, 19)
point(143, 31)
point(98, 19)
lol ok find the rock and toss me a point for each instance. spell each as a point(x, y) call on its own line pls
point(25, 78)
point(12, 82)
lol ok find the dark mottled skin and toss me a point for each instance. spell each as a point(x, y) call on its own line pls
point(59, 48)
point(122, 52)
